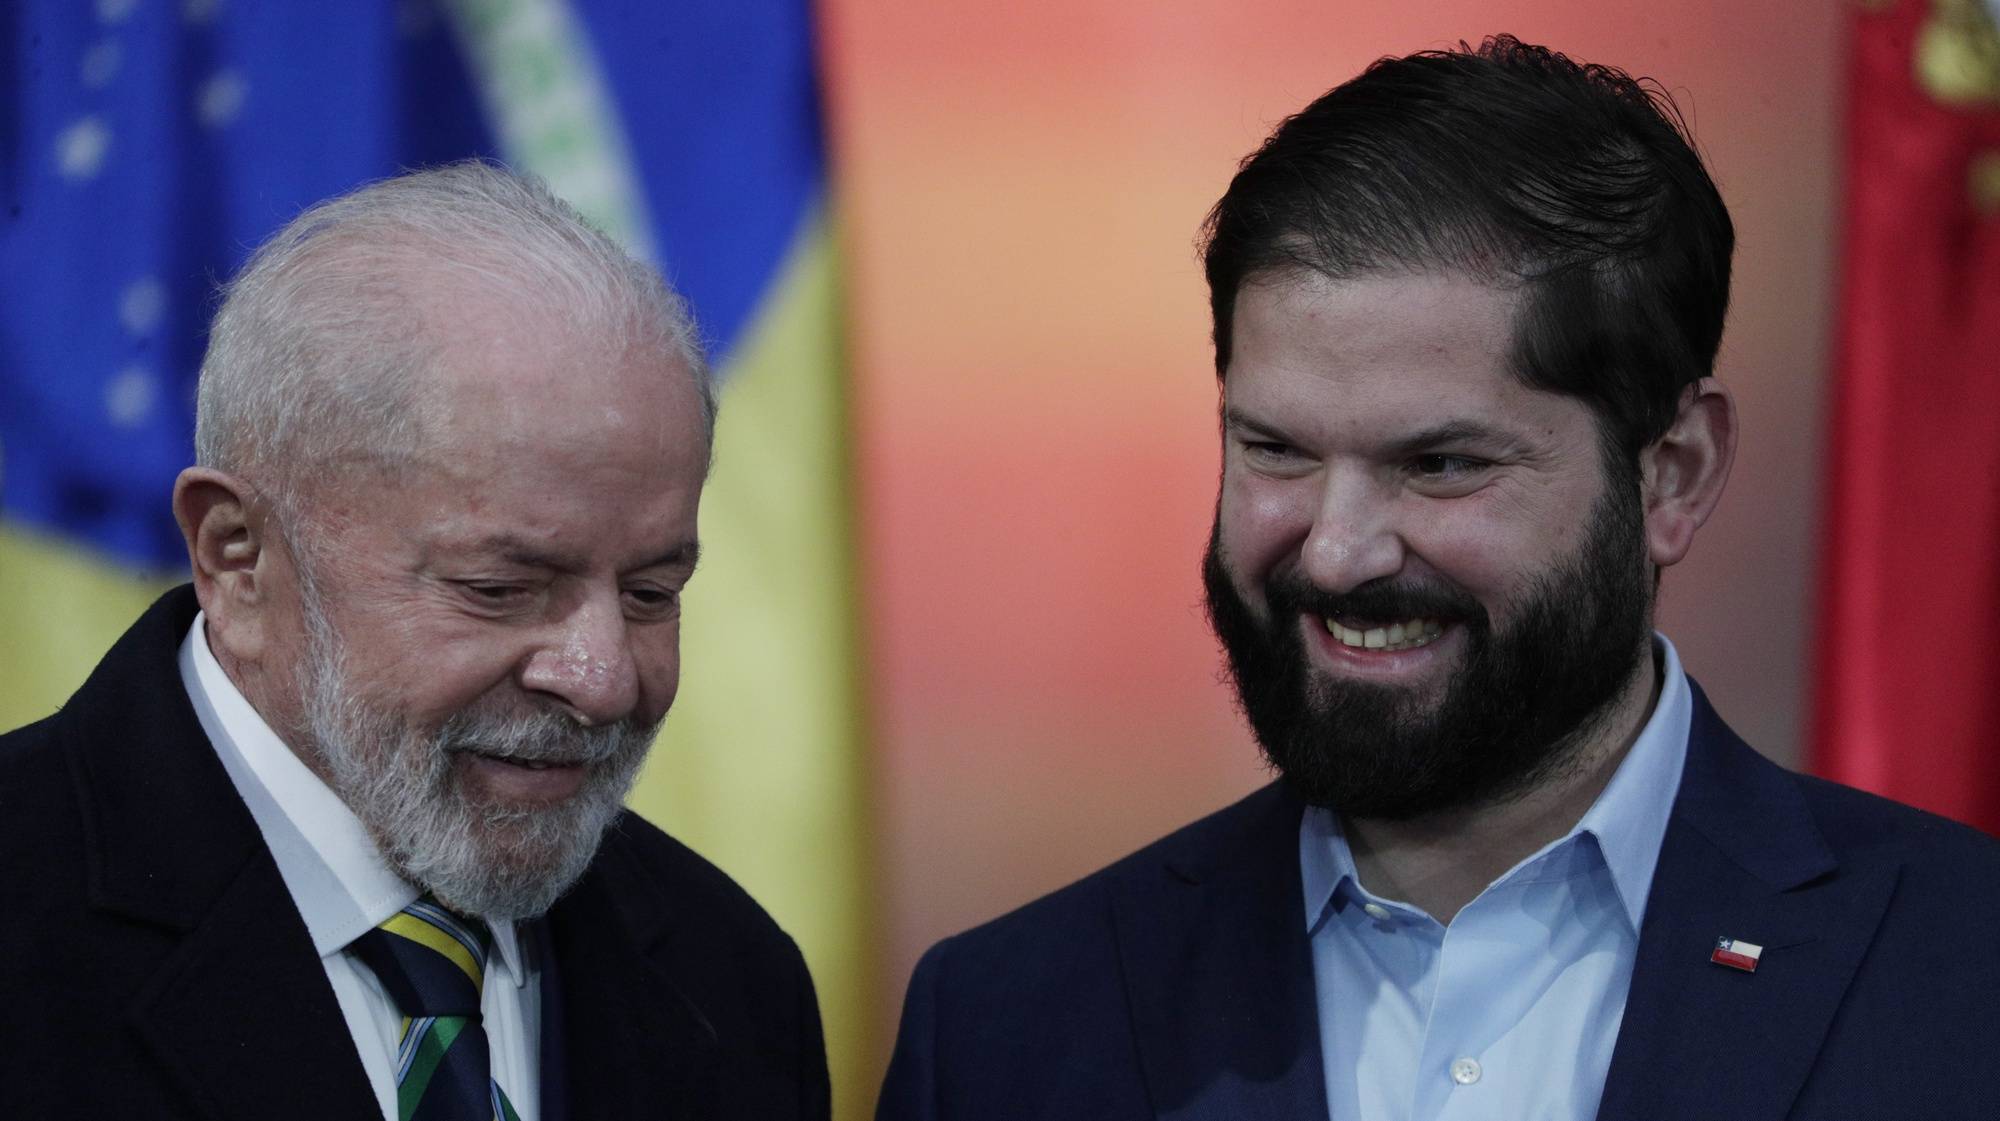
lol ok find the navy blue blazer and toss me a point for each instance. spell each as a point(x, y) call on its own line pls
point(152, 964)
point(1177, 984)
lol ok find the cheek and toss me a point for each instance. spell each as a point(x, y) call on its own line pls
point(657, 657)
point(1262, 523)
point(1492, 553)
point(448, 680)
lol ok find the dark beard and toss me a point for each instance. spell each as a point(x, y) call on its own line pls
point(1510, 717)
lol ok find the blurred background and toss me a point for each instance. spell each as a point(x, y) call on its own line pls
point(946, 650)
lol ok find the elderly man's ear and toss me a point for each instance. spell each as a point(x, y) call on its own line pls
point(229, 535)
point(1683, 472)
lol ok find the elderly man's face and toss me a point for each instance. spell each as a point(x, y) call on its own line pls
point(490, 635)
point(1422, 575)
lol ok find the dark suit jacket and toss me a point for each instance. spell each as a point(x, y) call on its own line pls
point(152, 964)
point(1178, 982)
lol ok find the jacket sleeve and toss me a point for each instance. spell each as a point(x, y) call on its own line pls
point(815, 1091)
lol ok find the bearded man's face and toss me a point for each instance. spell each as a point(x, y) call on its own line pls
point(1428, 579)
point(478, 854)
point(1519, 695)
point(487, 621)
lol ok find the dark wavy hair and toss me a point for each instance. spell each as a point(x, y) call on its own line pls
point(1514, 165)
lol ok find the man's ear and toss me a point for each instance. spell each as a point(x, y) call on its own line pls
point(1683, 472)
point(232, 548)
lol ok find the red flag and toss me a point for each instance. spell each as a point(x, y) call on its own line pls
point(1908, 659)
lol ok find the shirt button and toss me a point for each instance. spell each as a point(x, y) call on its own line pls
point(1465, 1071)
point(1376, 911)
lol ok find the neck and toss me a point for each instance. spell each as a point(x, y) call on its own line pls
point(1440, 862)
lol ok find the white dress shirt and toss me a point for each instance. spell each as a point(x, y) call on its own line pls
point(343, 888)
point(1512, 1010)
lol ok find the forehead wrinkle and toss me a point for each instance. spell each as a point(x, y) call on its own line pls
point(1338, 330)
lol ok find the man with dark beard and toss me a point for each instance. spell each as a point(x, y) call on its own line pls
point(337, 830)
point(1373, 752)
point(1466, 312)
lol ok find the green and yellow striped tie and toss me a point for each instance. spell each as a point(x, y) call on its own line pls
point(432, 963)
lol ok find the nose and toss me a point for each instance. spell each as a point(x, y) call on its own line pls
point(1354, 536)
point(586, 665)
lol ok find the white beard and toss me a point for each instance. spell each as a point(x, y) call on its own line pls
point(487, 860)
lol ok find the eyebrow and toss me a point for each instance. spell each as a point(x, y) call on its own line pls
point(686, 555)
point(1232, 417)
point(1457, 432)
point(1460, 431)
point(516, 550)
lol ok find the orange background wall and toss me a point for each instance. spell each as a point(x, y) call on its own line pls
point(1019, 186)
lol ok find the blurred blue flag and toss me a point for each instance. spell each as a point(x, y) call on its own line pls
point(151, 144)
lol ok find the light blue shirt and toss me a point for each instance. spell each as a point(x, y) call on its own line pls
point(1512, 1010)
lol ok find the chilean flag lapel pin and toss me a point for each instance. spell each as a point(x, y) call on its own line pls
point(1737, 954)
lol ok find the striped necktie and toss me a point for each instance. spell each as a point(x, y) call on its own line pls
point(432, 963)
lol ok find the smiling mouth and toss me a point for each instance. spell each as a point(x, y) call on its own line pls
point(1407, 634)
point(526, 764)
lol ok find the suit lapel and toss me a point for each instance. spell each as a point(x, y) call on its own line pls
point(617, 1001)
point(229, 993)
point(554, 1056)
point(1741, 859)
point(244, 1011)
point(1218, 972)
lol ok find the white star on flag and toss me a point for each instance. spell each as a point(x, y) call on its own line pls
point(1737, 954)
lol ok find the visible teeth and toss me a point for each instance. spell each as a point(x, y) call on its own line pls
point(1406, 635)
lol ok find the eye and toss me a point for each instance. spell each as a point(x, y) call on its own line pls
point(501, 597)
point(494, 594)
point(651, 601)
point(1448, 476)
point(1269, 453)
point(1445, 466)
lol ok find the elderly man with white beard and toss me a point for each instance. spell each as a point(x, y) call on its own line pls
point(336, 830)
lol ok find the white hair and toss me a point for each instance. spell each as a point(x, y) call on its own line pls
point(314, 359)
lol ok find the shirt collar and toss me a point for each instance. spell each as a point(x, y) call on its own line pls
point(336, 876)
point(1628, 820)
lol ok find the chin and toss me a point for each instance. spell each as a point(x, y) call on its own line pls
point(498, 860)
point(502, 871)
